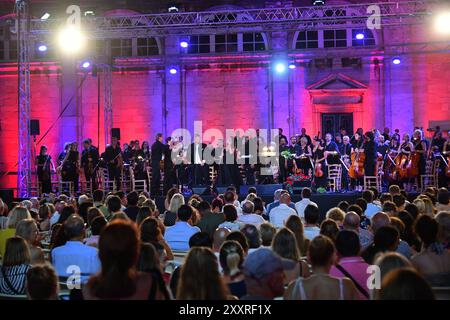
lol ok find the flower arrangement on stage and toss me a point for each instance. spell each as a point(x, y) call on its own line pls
point(298, 177)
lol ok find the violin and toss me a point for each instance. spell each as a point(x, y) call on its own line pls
point(356, 169)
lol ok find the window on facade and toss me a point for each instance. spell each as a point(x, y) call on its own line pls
point(147, 47)
point(12, 49)
point(2, 50)
point(307, 40)
point(226, 43)
point(253, 42)
point(199, 44)
point(121, 48)
point(368, 40)
point(335, 38)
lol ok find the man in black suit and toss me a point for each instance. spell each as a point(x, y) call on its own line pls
point(113, 160)
point(89, 162)
point(199, 170)
point(156, 157)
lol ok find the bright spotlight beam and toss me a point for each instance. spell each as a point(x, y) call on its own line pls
point(280, 67)
point(71, 40)
point(442, 23)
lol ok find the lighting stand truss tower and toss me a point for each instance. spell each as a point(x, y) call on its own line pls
point(24, 163)
point(107, 101)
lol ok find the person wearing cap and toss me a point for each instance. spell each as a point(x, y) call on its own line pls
point(264, 274)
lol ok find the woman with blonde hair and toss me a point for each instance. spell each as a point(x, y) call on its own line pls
point(295, 224)
point(231, 258)
point(336, 214)
point(170, 215)
point(17, 214)
point(28, 230)
point(284, 244)
point(200, 278)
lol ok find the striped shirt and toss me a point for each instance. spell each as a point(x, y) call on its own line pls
point(16, 276)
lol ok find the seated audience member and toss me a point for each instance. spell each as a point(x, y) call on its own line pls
point(364, 223)
point(230, 198)
point(84, 208)
point(200, 278)
point(362, 203)
point(231, 258)
point(267, 233)
point(385, 197)
point(259, 207)
point(44, 217)
point(170, 215)
point(239, 237)
point(399, 201)
point(178, 235)
point(42, 283)
point(306, 200)
point(285, 245)
point(144, 213)
point(413, 210)
point(372, 208)
point(443, 219)
point(97, 225)
point(217, 205)
point(219, 236)
point(403, 246)
point(99, 198)
point(200, 239)
point(409, 235)
point(405, 284)
point(321, 285)
point(311, 221)
point(150, 231)
point(28, 230)
point(295, 224)
point(132, 209)
point(352, 223)
point(248, 217)
point(209, 220)
point(329, 228)
point(433, 261)
point(118, 277)
point(443, 200)
point(253, 237)
point(15, 264)
point(17, 214)
point(336, 215)
point(264, 274)
point(168, 197)
point(389, 208)
point(74, 252)
point(394, 190)
point(114, 206)
point(119, 216)
point(390, 261)
point(276, 200)
point(350, 263)
point(343, 205)
point(231, 216)
point(385, 239)
point(3, 214)
point(282, 212)
point(93, 213)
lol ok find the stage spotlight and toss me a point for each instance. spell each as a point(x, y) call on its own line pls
point(396, 60)
point(42, 48)
point(184, 44)
point(280, 67)
point(45, 16)
point(318, 2)
point(86, 64)
point(71, 40)
point(173, 71)
point(173, 9)
point(442, 23)
point(292, 66)
point(360, 36)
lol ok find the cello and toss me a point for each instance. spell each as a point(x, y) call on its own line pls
point(356, 169)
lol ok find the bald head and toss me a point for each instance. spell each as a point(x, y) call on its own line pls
point(351, 221)
point(379, 220)
point(285, 198)
point(219, 237)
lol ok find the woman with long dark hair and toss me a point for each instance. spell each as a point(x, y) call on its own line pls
point(119, 279)
point(44, 170)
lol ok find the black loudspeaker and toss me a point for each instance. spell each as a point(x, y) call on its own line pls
point(34, 128)
point(7, 195)
point(115, 132)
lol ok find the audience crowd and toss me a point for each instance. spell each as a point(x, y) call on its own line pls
point(120, 246)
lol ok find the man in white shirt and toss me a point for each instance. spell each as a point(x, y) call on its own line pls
point(55, 216)
point(248, 217)
point(179, 234)
point(74, 256)
point(276, 201)
point(281, 213)
point(311, 221)
point(301, 205)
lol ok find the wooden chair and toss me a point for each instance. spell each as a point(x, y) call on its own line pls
point(334, 177)
point(106, 184)
point(372, 182)
point(430, 178)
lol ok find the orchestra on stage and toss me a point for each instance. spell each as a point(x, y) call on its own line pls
point(302, 159)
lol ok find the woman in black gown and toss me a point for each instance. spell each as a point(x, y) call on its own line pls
point(320, 159)
point(44, 170)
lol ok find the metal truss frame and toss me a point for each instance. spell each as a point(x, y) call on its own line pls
point(107, 101)
point(23, 66)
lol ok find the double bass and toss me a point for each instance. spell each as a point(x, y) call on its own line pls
point(413, 165)
point(318, 170)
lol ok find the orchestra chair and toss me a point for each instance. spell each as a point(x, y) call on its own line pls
point(372, 182)
point(212, 174)
point(36, 189)
point(107, 185)
point(430, 178)
point(150, 178)
point(136, 185)
point(335, 177)
point(66, 185)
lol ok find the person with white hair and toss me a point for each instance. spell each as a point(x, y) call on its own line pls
point(282, 212)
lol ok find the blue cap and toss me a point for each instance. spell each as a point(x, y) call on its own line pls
point(264, 261)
